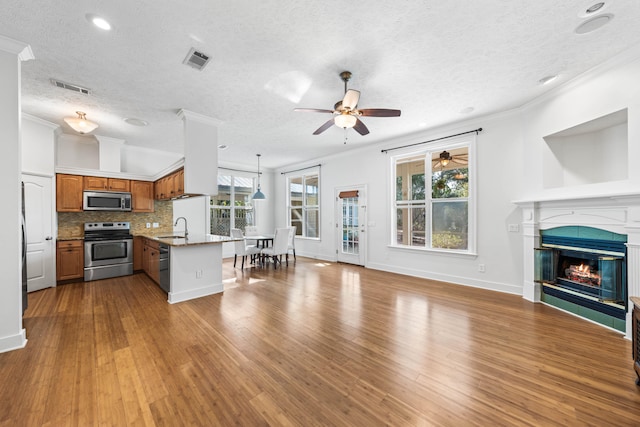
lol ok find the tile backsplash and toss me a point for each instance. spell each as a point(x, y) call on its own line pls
point(71, 224)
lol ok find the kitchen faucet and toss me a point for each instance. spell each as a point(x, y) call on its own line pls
point(186, 232)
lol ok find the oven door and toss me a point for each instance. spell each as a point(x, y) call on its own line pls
point(108, 252)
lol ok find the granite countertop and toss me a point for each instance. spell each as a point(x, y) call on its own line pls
point(67, 238)
point(636, 301)
point(202, 239)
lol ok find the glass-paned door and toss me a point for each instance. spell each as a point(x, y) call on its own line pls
point(351, 225)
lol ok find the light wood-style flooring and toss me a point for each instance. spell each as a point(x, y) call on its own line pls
point(314, 344)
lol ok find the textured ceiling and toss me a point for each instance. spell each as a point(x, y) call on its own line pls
point(430, 59)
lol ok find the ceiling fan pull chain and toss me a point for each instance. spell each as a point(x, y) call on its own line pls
point(345, 136)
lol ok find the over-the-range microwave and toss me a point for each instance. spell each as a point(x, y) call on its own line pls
point(106, 201)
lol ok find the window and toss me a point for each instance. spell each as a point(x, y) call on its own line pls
point(433, 204)
point(304, 204)
point(232, 207)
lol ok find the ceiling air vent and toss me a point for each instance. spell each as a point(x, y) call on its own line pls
point(195, 59)
point(70, 86)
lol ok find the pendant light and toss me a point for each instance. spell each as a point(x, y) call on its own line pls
point(259, 194)
point(80, 124)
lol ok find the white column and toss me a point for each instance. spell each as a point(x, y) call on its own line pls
point(530, 239)
point(12, 334)
point(200, 153)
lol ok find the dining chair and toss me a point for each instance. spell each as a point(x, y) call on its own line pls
point(242, 248)
point(292, 243)
point(251, 230)
point(279, 248)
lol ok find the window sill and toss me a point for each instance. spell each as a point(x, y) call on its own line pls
point(307, 238)
point(446, 252)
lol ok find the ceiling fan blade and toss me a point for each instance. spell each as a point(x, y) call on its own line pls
point(360, 127)
point(324, 127)
point(460, 161)
point(313, 110)
point(350, 99)
point(379, 112)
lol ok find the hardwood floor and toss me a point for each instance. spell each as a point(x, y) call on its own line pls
point(314, 344)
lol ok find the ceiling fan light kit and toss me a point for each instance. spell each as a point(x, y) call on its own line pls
point(80, 124)
point(346, 114)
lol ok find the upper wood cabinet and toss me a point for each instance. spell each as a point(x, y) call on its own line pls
point(142, 196)
point(69, 193)
point(170, 186)
point(106, 184)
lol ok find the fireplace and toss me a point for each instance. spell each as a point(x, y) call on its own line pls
point(585, 267)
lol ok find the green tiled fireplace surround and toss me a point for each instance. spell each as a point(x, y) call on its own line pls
point(585, 312)
point(582, 232)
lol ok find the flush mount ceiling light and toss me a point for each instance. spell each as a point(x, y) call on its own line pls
point(136, 122)
point(593, 24)
point(80, 124)
point(259, 194)
point(222, 147)
point(98, 21)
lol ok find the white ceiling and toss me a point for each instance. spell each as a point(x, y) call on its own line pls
point(431, 59)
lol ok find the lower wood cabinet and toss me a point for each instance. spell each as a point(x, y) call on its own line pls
point(138, 246)
point(69, 260)
point(151, 259)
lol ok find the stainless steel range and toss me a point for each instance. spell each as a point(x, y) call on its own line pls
point(108, 250)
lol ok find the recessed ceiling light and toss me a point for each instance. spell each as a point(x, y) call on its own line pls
point(548, 79)
point(593, 23)
point(222, 147)
point(98, 21)
point(136, 122)
point(467, 110)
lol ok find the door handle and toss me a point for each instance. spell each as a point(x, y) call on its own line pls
point(48, 238)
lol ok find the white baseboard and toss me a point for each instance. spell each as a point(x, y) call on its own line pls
point(465, 281)
point(175, 297)
point(13, 342)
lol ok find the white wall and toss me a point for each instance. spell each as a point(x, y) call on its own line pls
point(499, 182)
point(196, 211)
point(38, 146)
point(12, 334)
point(510, 154)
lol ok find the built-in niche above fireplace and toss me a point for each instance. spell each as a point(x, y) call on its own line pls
point(584, 270)
point(588, 153)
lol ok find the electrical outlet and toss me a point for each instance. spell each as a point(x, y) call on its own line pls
point(156, 225)
point(481, 268)
point(514, 228)
point(198, 274)
point(148, 225)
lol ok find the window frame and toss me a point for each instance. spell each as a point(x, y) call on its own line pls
point(428, 203)
point(232, 208)
point(304, 206)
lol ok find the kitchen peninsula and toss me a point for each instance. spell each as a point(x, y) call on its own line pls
point(194, 265)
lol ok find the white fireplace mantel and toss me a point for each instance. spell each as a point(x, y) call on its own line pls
point(615, 212)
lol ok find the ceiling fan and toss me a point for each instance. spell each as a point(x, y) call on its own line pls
point(445, 158)
point(346, 115)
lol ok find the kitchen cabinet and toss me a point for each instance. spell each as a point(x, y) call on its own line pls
point(99, 183)
point(69, 260)
point(170, 186)
point(138, 246)
point(142, 196)
point(151, 259)
point(69, 193)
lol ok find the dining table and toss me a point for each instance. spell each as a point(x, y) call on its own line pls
point(262, 240)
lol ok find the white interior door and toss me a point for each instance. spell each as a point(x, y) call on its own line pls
point(39, 220)
point(351, 221)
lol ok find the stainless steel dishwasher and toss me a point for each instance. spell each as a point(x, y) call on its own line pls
point(165, 281)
